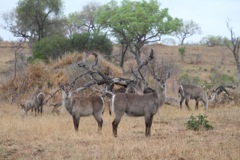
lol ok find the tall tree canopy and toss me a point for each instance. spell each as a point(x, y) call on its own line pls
point(136, 23)
point(35, 19)
point(83, 21)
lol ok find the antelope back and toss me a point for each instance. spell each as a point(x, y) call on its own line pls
point(193, 91)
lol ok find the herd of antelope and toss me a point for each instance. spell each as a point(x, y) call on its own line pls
point(134, 98)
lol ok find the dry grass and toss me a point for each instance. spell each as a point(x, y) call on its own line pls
point(50, 136)
point(53, 137)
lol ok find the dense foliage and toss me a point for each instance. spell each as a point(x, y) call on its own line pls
point(50, 47)
point(54, 47)
point(136, 23)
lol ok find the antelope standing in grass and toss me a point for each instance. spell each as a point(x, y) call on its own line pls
point(79, 106)
point(136, 105)
point(34, 102)
point(188, 91)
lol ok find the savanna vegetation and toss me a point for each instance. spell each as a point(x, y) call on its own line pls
point(49, 51)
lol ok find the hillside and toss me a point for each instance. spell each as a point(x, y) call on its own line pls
point(52, 136)
point(199, 61)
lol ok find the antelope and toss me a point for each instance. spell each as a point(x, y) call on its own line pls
point(34, 102)
point(217, 97)
point(78, 106)
point(136, 105)
point(188, 91)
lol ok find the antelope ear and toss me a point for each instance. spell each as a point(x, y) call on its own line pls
point(71, 85)
point(168, 75)
point(61, 86)
point(21, 105)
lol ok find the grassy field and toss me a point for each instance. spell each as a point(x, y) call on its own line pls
point(51, 136)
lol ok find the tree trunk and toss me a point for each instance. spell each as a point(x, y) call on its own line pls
point(238, 73)
point(124, 51)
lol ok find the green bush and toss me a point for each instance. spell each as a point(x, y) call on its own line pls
point(217, 77)
point(91, 42)
point(182, 51)
point(50, 47)
point(198, 122)
point(80, 42)
point(187, 79)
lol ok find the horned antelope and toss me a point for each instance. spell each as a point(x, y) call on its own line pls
point(188, 91)
point(221, 94)
point(136, 105)
point(79, 106)
point(34, 102)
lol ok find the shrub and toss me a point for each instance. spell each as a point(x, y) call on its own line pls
point(198, 122)
point(91, 42)
point(80, 42)
point(50, 47)
point(187, 79)
point(217, 77)
point(182, 51)
point(211, 40)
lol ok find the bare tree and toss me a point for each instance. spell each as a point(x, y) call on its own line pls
point(188, 29)
point(234, 47)
point(84, 21)
point(17, 47)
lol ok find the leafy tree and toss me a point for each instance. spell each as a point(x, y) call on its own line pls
point(50, 47)
point(84, 21)
point(89, 42)
point(80, 42)
point(136, 23)
point(101, 43)
point(35, 19)
point(187, 29)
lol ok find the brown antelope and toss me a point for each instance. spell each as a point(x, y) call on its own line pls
point(34, 102)
point(188, 91)
point(136, 105)
point(79, 106)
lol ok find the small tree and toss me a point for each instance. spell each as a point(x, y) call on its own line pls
point(182, 51)
point(84, 21)
point(187, 29)
point(234, 47)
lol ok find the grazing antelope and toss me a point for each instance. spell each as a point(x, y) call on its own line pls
point(188, 91)
point(34, 102)
point(136, 105)
point(79, 106)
